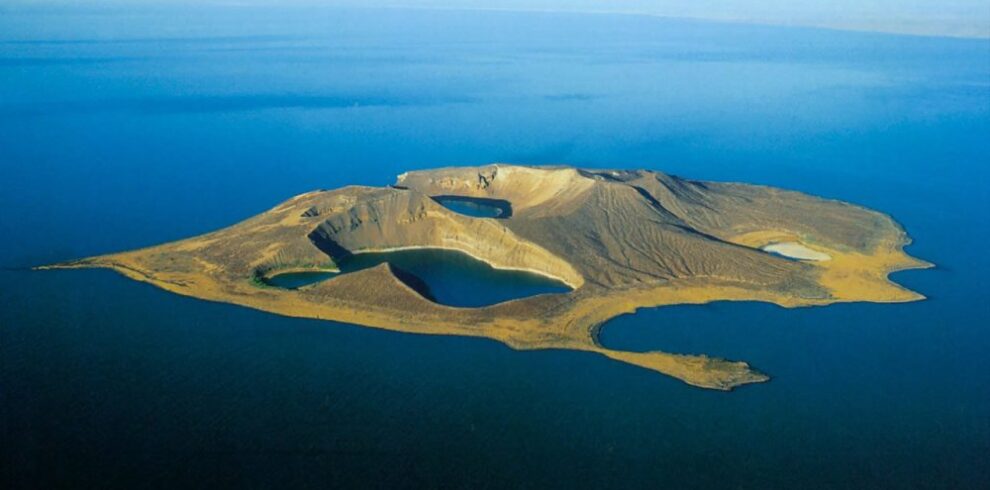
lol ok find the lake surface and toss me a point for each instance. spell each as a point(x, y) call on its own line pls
point(448, 277)
point(476, 207)
point(123, 127)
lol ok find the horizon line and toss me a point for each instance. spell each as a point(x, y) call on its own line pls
point(860, 27)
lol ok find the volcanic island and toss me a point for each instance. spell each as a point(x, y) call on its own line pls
point(620, 239)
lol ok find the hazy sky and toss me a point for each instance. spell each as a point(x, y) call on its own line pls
point(942, 17)
point(969, 18)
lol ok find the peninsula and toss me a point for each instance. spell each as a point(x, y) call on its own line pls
point(621, 240)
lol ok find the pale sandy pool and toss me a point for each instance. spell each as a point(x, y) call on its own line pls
point(794, 250)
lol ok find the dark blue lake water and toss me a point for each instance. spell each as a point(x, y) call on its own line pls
point(475, 207)
point(122, 128)
point(447, 277)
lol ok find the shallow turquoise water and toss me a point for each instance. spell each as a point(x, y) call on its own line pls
point(446, 277)
point(125, 128)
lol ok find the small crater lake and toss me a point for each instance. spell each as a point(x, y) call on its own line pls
point(447, 277)
point(476, 207)
point(296, 280)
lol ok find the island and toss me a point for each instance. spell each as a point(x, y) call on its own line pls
point(619, 239)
